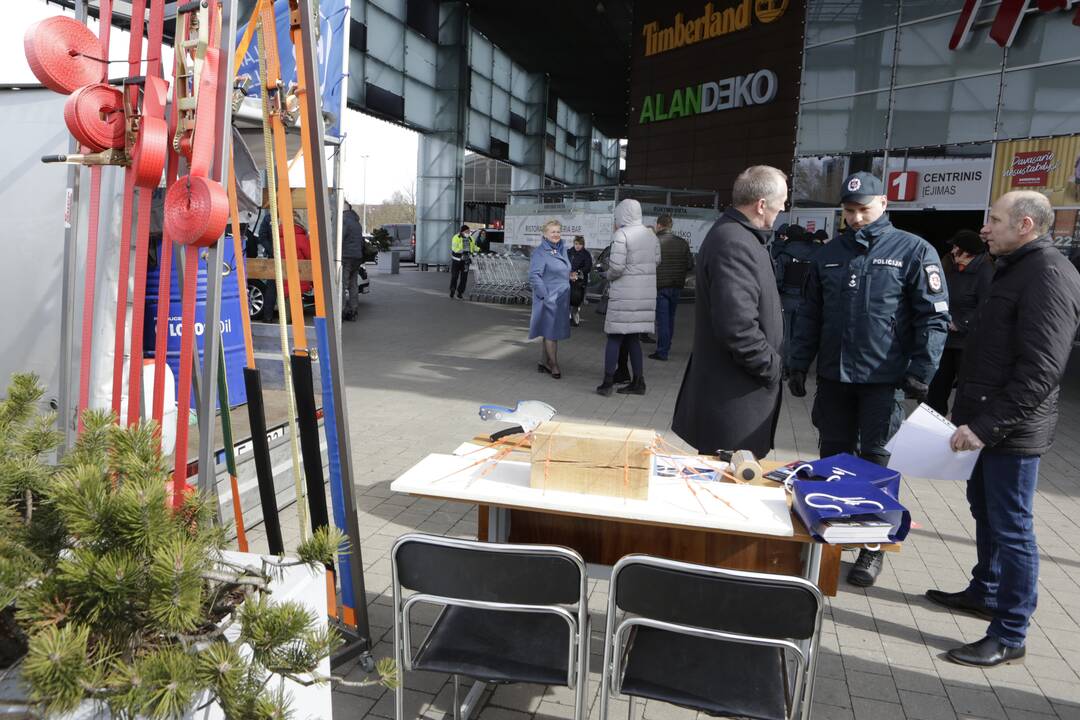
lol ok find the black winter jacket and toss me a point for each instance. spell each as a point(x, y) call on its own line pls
point(676, 261)
point(1015, 356)
point(967, 290)
point(580, 262)
point(352, 236)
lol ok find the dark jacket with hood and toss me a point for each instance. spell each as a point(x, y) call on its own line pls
point(352, 236)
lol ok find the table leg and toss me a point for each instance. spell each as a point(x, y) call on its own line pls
point(498, 525)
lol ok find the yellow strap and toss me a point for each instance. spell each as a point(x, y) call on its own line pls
point(271, 180)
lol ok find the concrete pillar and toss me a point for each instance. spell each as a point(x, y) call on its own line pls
point(440, 160)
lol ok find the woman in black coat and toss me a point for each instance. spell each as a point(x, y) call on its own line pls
point(967, 274)
point(580, 266)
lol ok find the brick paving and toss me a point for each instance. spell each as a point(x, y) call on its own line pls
point(417, 366)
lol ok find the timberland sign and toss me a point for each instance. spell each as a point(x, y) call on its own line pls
point(714, 22)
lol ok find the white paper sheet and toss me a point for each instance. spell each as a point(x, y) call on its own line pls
point(920, 448)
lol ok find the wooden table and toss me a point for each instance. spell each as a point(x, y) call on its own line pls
point(604, 536)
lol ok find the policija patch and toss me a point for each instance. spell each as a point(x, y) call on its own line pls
point(933, 278)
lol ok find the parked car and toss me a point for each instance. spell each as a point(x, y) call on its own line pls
point(262, 294)
point(403, 239)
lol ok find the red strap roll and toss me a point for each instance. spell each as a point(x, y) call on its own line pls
point(151, 149)
point(196, 211)
point(94, 115)
point(62, 53)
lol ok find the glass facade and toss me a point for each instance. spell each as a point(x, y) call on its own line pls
point(880, 76)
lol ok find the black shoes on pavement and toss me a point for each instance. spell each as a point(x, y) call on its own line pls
point(985, 653)
point(866, 568)
point(607, 387)
point(657, 356)
point(960, 601)
point(636, 387)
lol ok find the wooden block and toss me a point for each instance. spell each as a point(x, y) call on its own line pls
point(592, 459)
point(263, 269)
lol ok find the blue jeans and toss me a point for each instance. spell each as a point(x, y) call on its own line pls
point(1001, 492)
point(667, 302)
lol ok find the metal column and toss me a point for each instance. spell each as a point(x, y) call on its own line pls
point(440, 162)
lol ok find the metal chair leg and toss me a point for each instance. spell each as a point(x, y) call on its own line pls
point(630, 712)
point(457, 698)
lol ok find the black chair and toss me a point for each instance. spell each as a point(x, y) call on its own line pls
point(509, 613)
point(722, 642)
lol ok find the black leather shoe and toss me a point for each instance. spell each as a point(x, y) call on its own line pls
point(657, 356)
point(961, 602)
point(606, 388)
point(866, 568)
point(621, 376)
point(988, 652)
point(637, 387)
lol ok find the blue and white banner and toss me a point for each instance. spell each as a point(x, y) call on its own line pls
point(333, 19)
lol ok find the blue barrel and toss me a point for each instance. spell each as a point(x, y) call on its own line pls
point(232, 329)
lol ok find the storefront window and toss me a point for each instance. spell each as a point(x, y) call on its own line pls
point(829, 20)
point(825, 127)
point(945, 113)
point(925, 56)
point(1041, 101)
point(848, 66)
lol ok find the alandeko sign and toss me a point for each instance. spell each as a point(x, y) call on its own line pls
point(744, 90)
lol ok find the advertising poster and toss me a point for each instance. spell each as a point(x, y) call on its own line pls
point(595, 220)
point(1050, 166)
point(333, 17)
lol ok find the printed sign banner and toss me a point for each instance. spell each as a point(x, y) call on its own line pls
point(595, 220)
point(333, 17)
point(1050, 166)
point(941, 183)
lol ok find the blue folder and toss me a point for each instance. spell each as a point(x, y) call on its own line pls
point(816, 502)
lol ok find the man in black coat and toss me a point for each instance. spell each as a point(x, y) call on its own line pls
point(730, 394)
point(967, 275)
point(352, 261)
point(676, 261)
point(1006, 406)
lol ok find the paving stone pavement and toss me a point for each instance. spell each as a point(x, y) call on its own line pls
point(419, 364)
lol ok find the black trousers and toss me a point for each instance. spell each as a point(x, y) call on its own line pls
point(459, 275)
point(856, 418)
point(941, 386)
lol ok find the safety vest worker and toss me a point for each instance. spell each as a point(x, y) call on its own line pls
point(460, 246)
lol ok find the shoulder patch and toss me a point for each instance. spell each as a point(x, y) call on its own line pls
point(933, 278)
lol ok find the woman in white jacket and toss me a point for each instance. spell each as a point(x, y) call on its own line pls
point(631, 274)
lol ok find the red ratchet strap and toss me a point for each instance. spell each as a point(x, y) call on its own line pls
point(94, 114)
point(94, 218)
point(151, 150)
point(66, 57)
point(63, 53)
point(165, 260)
point(196, 213)
point(138, 12)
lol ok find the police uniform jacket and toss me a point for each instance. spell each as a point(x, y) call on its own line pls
point(793, 265)
point(875, 309)
point(730, 394)
point(1016, 354)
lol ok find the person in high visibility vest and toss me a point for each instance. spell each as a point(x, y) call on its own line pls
point(461, 247)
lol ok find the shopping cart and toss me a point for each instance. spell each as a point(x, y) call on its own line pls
point(501, 278)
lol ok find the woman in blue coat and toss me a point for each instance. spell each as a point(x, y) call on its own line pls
point(549, 275)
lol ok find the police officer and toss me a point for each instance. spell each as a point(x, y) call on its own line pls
point(875, 314)
point(792, 266)
point(461, 245)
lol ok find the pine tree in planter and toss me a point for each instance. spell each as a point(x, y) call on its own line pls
point(117, 599)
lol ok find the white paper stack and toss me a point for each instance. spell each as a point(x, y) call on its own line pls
point(920, 448)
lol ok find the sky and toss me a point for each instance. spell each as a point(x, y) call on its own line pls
point(390, 149)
